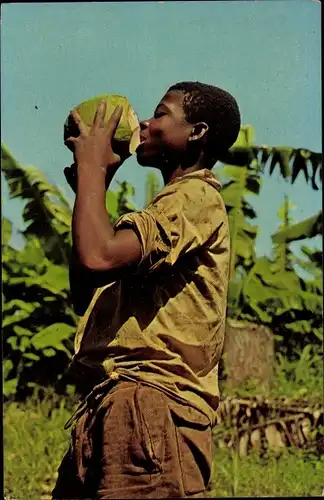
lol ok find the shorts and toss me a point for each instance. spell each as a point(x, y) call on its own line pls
point(138, 443)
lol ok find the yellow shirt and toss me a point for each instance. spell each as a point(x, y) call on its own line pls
point(164, 324)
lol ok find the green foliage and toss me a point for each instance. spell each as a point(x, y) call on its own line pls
point(119, 203)
point(152, 187)
point(37, 327)
point(300, 377)
point(307, 228)
point(47, 214)
point(243, 180)
point(283, 257)
point(269, 290)
point(125, 192)
point(50, 337)
point(313, 265)
point(243, 234)
point(6, 231)
point(112, 205)
point(290, 305)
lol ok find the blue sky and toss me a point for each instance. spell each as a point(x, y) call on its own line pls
point(266, 53)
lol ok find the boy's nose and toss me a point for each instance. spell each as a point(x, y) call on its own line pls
point(144, 124)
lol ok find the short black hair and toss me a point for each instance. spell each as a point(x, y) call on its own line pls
point(216, 107)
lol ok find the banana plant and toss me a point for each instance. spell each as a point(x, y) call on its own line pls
point(308, 228)
point(290, 162)
point(47, 214)
point(242, 180)
point(246, 163)
point(152, 187)
point(274, 294)
point(281, 249)
point(37, 316)
point(313, 265)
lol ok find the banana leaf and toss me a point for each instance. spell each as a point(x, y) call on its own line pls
point(307, 228)
point(290, 162)
point(152, 187)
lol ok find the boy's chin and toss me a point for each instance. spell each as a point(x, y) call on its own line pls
point(145, 160)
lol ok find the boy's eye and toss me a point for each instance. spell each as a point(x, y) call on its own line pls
point(159, 114)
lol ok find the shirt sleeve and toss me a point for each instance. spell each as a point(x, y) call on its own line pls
point(180, 219)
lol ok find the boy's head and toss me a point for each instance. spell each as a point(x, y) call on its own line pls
point(193, 122)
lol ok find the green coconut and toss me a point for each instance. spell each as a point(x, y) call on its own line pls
point(127, 135)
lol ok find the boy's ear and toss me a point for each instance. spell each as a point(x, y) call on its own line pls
point(198, 131)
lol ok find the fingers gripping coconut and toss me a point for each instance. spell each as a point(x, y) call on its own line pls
point(96, 118)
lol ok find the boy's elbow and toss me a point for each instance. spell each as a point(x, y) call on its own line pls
point(95, 262)
point(124, 251)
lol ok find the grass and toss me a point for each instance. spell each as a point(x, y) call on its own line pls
point(293, 474)
point(35, 442)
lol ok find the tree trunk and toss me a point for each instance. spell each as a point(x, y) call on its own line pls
point(248, 355)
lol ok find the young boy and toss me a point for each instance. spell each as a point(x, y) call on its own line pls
point(149, 343)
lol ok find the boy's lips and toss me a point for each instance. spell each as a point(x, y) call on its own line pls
point(140, 148)
point(142, 138)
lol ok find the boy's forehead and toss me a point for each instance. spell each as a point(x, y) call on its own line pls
point(172, 98)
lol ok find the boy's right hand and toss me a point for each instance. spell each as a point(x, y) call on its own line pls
point(71, 176)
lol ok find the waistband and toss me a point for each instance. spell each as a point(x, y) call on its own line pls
point(93, 398)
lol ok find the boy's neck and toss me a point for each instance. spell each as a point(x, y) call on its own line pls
point(179, 172)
